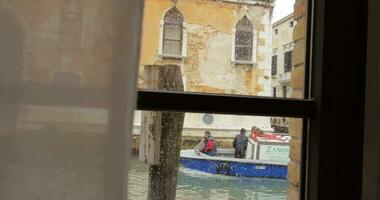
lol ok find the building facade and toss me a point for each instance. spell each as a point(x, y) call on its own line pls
point(282, 47)
point(228, 51)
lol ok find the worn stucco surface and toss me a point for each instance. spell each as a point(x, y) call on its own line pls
point(207, 66)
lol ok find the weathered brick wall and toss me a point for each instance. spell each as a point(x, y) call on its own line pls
point(297, 83)
point(209, 36)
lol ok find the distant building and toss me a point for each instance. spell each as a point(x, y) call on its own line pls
point(282, 46)
point(222, 46)
point(227, 51)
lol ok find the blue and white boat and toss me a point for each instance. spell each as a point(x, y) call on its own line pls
point(267, 159)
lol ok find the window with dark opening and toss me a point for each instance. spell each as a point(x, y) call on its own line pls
point(291, 24)
point(288, 61)
point(274, 92)
point(172, 37)
point(244, 40)
point(274, 65)
point(284, 91)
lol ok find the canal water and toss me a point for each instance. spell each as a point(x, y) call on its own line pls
point(194, 185)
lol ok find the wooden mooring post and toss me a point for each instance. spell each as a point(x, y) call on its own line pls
point(161, 132)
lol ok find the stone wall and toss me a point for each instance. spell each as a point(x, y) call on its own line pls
point(188, 142)
point(207, 66)
point(297, 83)
point(281, 43)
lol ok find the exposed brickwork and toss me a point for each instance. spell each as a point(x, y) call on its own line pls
point(299, 33)
point(294, 173)
point(298, 75)
point(293, 192)
point(295, 127)
point(298, 52)
point(297, 84)
point(295, 150)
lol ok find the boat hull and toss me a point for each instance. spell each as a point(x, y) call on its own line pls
point(235, 168)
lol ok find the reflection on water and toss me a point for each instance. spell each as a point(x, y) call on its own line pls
point(197, 185)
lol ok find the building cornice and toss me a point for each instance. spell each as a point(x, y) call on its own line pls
point(268, 3)
point(282, 20)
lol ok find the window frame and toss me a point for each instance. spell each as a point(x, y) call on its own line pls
point(322, 176)
point(291, 24)
point(371, 156)
point(253, 59)
point(288, 65)
point(284, 92)
point(242, 30)
point(274, 67)
point(161, 41)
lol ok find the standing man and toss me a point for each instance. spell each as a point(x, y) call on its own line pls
point(240, 144)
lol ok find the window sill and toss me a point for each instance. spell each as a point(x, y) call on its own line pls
point(179, 57)
point(241, 62)
point(249, 2)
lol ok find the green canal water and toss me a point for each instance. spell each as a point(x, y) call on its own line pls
point(194, 185)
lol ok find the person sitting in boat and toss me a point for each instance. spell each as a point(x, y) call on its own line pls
point(209, 145)
point(257, 133)
point(240, 144)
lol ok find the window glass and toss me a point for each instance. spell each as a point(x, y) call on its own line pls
point(244, 40)
point(225, 47)
point(173, 24)
point(62, 122)
point(274, 65)
point(172, 47)
point(172, 32)
point(58, 63)
point(243, 157)
point(288, 61)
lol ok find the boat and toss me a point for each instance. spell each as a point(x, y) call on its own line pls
point(264, 159)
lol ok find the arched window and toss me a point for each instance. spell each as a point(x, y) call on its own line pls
point(244, 40)
point(172, 41)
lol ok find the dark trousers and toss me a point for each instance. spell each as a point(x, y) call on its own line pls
point(239, 154)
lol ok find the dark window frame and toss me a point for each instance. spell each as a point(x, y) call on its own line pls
point(288, 61)
point(284, 92)
point(274, 65)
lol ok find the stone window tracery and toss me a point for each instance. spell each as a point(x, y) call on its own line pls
point(244, 40)
point(173, 35)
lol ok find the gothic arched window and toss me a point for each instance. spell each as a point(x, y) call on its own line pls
point(173, 32)
point(244, 40)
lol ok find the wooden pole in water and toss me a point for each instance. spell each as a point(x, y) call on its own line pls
point(161, 134)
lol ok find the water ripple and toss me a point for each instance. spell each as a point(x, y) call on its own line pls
point(194, 185)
